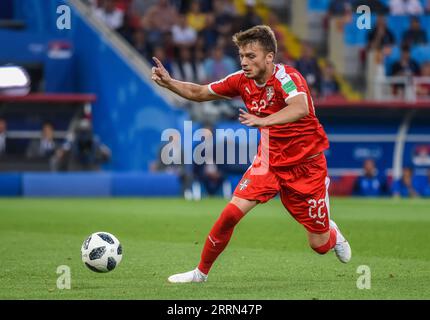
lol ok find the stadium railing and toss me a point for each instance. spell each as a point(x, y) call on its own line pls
point(385, 88)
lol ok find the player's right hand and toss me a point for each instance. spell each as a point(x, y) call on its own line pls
point(159, 74)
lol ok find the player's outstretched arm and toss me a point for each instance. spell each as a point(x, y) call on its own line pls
point(187, 90)
point(297, 108)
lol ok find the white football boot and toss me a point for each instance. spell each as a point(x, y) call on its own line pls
point(341, 248)
point(191, 276)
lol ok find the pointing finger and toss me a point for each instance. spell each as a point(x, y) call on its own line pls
point(157, 62)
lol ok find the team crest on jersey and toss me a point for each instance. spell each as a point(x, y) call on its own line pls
point(244, 184)
point(270, 92)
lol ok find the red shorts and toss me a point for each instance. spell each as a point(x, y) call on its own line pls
point(303, 189)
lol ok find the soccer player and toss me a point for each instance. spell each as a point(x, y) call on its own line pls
point(277, 98)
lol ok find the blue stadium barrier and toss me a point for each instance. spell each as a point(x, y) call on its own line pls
point(145, 184)
point(421, 184)
point(90, 184)
point(66, 184)
point(10, 185)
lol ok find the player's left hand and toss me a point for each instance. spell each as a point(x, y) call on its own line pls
point(251, 120)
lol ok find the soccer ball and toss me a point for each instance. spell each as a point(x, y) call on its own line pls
point(101, 252)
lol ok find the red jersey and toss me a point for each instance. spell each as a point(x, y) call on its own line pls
point(290, 143)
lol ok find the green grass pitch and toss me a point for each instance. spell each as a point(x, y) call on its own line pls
point(267, 258)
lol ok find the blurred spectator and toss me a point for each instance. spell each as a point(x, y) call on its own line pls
point(230, 7)
point(200, 49)
point(161, 55)
point(123, 5)
point(181, 5)
point(195, 18)
point(131, 23)
point(339, 7)
point(159, 19)
point(283, 56)
point(406, 7)
point(406, 66)
point(380, 36)
point(161, 16)
point(168, 45)
point(139, 7)
point(406, 186)
point(45, 146)
point(427, 7)
point(277, 27)
point(171, 160)
point(329, 84)
point(415, 35)
point(206, 5)
point(223, 18)
point(423, 89)
point(376, 6)
point(82, 151)
point(308, 66)
point(218, 65)
point(369, 185)
point(3, 137)
point(209, 32)
point(183, 34)
point(229, 47)
point(109, 14)
point(188, 69)
point(250, 19)
point(140, 44)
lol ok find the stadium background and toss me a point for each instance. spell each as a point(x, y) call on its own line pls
point(96, 68)
point(101, 73)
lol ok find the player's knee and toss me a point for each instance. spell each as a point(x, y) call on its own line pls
point(243, 204)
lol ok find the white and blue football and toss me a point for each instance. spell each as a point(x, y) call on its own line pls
point(101, 252)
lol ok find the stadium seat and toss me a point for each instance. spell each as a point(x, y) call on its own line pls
point(420, 54)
